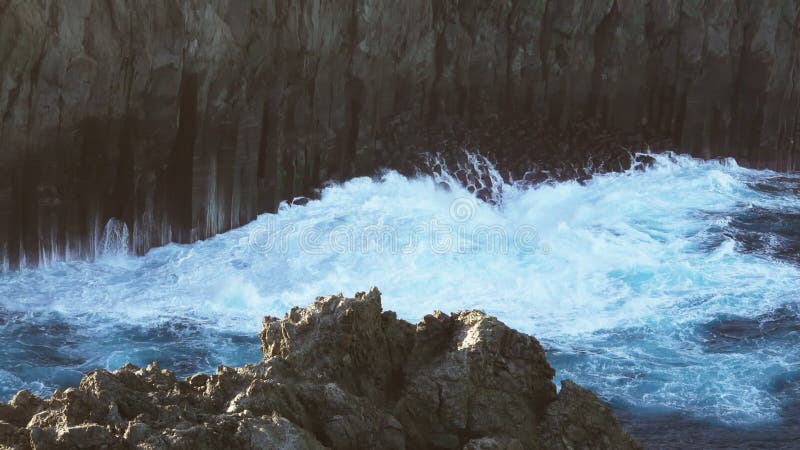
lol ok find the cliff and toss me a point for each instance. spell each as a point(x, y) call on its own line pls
point(339, 374)
point(186, 118)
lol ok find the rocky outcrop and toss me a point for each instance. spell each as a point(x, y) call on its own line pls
point(341, 374)
point(186, 118)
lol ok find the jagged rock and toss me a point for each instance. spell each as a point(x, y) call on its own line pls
point(21, 407)
point(12, 436)
point(340, 373)
point(494, 444)
point(87, 436)
point(577, 420)
point(349, 340)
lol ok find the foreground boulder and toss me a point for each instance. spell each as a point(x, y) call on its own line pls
point(340, 374)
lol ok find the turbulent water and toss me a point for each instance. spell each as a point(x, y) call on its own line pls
point(671, 292)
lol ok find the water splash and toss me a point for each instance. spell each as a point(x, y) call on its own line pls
point(470, 171)
point(4, 261)
point(648, 276)
point(115, 240)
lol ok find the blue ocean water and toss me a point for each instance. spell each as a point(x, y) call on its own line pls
point(671, 291)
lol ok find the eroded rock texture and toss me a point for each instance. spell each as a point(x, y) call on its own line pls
point(186, 118)
point(339, 374)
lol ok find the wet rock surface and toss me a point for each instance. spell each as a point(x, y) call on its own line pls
point(184, 119)
point(341, 374)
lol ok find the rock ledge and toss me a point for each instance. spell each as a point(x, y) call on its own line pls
point(341, 373)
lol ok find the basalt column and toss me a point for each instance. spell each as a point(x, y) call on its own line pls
point(183, 119)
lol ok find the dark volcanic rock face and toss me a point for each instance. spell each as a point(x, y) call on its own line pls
point(339, 374)
point(187, 118)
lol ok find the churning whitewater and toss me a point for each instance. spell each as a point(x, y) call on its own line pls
point(671, 289)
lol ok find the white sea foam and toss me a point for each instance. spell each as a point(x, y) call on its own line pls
point(617, 277)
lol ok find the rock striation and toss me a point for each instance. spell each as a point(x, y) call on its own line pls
point(340, 374)
point(187, 118)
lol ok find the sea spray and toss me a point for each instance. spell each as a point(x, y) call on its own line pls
point(115, 240)
point(647, 286)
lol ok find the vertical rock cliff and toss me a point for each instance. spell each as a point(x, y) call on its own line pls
point(186, 118)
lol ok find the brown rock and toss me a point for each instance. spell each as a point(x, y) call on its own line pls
point(340, 373)
point(577, 420)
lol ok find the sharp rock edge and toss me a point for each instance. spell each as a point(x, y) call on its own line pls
point(341, 373)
